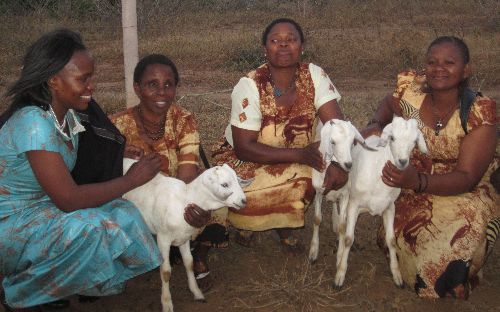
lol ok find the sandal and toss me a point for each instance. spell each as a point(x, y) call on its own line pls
point(292, 246)
point(87, 299)
point(202, 275)
point(245, 238)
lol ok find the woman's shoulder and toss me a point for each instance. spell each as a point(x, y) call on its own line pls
point(120, 116)
point(484, 110)
point(180, 111)
point(410, 80)
point(31, 114)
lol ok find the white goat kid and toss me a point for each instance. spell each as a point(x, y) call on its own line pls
point(161, 202)
point(368, 193)
point(337, 138)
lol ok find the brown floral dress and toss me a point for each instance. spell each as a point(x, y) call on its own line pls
point(180, 144)
point(443, 241)
point(278, 196)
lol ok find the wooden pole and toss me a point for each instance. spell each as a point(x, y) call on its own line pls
point(130, 48)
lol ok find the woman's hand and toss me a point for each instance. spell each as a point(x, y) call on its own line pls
point(311, 156)
point(335, 178)
point(372, 129)
point(144, 170)
point(195, 216)
point(407, 178)
point(133, 152)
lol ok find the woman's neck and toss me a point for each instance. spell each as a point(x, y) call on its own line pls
point(282, 76)
point(59, 112)
point(445, 98)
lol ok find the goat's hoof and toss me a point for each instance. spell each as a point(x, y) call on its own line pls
point(337, 287)
point(312, 259)
point(401, 286)
point(201, 300)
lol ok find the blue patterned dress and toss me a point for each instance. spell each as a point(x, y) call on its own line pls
point(47, 254)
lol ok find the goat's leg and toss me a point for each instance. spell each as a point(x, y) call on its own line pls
point(314, 248)
point(165, 273)
point(336, 216)
point(187, 259)
point(343, 201)
point(388, 217)
point(345, 243)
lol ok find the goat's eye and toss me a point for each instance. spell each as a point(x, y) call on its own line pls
point(224, 185)
point(332, 142)
point(391, 138)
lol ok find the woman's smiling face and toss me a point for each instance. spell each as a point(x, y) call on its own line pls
point(445, 67)
point(156, 88)
point(72, 87)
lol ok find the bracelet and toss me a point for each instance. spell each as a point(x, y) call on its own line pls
point(423, 182)
point(419, 189)
point(426, 179)
point(374, 121)
point(333, 162)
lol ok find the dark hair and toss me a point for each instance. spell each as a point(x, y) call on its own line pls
point(151, 60)
point(464, 52)
point(43, 59)
point(279, 21)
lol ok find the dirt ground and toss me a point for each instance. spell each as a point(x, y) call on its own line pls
point(264, 278)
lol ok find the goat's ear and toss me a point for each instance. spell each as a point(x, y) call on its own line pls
point(385, 135)
point(211, 177)
point(325, 147)
point(421, 143)
point(245, 183)
point(357, 136)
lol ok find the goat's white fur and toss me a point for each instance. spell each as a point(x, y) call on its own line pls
point(162, 201)
point(336, 140)
point(368, 193)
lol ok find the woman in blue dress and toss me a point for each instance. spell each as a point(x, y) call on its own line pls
point(58, 238)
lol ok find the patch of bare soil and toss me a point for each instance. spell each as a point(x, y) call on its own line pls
point(263, 278)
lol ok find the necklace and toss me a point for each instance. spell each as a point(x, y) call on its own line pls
point(441, 118)
point(277, 91)
point(154, 135)
point(58, 125)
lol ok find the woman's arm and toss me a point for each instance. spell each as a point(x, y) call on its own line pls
point(475, 155)
point(247, 148)
point(387, 108)
point(55, 179)
point(187, 172)
point(335, 177)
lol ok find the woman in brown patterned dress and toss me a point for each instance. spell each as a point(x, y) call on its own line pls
point(447, 213)
point(271, 136)
point(158, 125)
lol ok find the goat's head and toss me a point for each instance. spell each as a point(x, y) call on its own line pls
point(402, 136)
point(225, 186)
point(337, 138)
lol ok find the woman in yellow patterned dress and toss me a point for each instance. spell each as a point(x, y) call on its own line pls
point(271, 134)
point(447, 211)
point(158, 125)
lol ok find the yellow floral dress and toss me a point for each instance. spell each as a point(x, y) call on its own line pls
point(278, 196)
point(180, 144)
point(443, 241)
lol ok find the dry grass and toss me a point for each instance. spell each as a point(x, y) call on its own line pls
point(307, 288)
point(361, 44)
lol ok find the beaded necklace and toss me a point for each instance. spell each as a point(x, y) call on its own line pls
point(277, 91)
point(156, 134)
